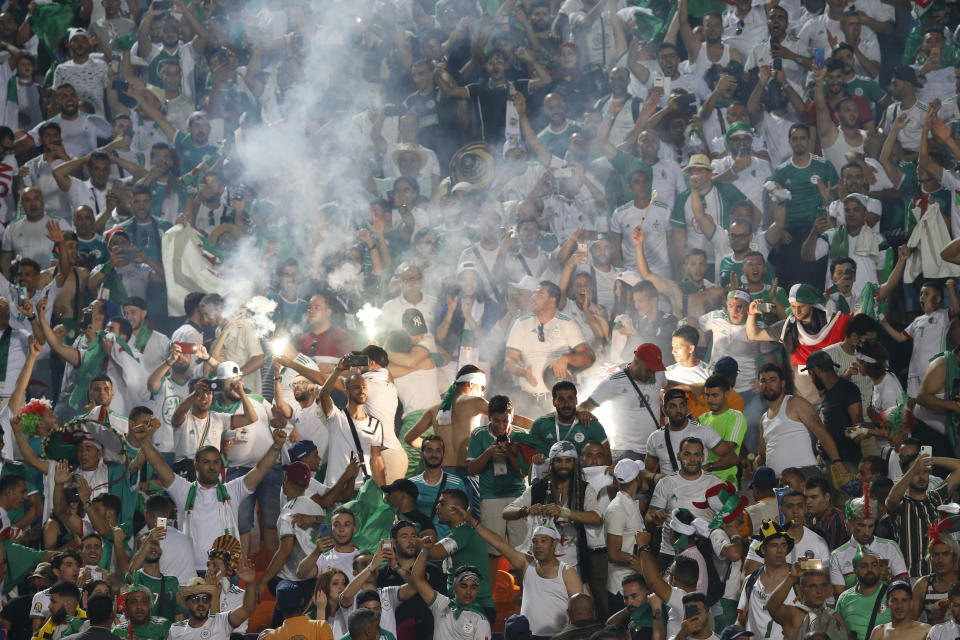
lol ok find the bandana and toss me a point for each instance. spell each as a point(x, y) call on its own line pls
point(546, 531)
point(738, 127)
point(476, 378)
point(806, 294)
point(865, 358)
point(143, 337)
point(739, 294)
point(642, 616)
point(862, 552)
point(684, 531)
point(563, 449)
point(468, 575)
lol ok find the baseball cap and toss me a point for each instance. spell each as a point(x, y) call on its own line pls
point(413, 322)
point(820, 360)
point(43, 570)
point(402, 484)
point(298, 473)
point(675, 392)
point(626, 470)
point(228, 370)
point(763, 478)
point(301, 449)
point(859, 197)
point(516, 625)
point(727, 366)
point(651, 356)
point(135, 301)
point(732, 633)
point(563, 449)
point(77, 31)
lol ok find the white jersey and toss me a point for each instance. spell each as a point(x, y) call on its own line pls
point(631, 423)
point(759, 620)
point(216, 627)
point(730, 339)
point(657, 445)
point(655, 222)
point(929, 334)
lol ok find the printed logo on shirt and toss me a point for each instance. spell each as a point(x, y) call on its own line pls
point(579, 437)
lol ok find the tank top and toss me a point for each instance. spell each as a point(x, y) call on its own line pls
point(788, 441)
point(703, 63)
point(544, 601)
point(935, 603)
point(835, 154)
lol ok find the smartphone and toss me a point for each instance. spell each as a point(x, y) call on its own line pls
point(658, 82)
point(926, 450)
point(811, 564)
point(388, 544)
point(163, 5)
point(129, 253)
point(818, 57)
point(821, 212)
point(324, 530)
point(161, 522)
point(563, 173)
point(188, 347)
point(357, 360)
point(502, 439)
point(582, 247)
point(690, 610)
point(22, 294)
point(767, 307)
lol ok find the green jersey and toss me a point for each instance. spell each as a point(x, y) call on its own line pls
point(731, 426)
point(547, 429)
point(730, 265)
point(803, 184)
point(164, 594)
point(856, 610)
point(498, 479)
point(557, 141)
point(867, 89)
point(153, 629)
point(190, 154)
point(465, 546)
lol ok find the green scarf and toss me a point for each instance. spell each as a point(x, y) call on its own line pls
point(4, 352)
point(458, 608)
point(642, 616)
point(841, 299)
point(91, 366)
point(143, 337)
point(953, 373)
point(222, 495)
point(113, 285)
point(840, 245)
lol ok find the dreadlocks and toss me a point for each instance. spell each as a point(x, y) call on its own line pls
point(577, 487)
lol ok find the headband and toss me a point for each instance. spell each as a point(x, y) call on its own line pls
point(739, 294)
point(546, 531)
point(467, 575)
point(862, 356)
point(93, 441)
point(476, 378)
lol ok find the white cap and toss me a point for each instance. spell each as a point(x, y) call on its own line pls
point(527, 283)
point(228, 370)
point(466, 187)
point(626, 470)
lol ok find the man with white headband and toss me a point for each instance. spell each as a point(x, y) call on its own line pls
point(560, 500)
point(548, 586)
point(461, 410)
point(461, 617)
point(809, 329)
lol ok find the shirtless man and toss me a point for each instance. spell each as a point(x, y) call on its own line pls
point(933, 386)
point(69, 298)
point(902, 626)
point(455, 419)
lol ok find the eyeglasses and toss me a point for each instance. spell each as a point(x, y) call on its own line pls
point(201, 597)
point(540, 335)
point(740, 25)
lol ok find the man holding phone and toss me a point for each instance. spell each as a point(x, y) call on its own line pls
point(696, 619)
point(912, 503)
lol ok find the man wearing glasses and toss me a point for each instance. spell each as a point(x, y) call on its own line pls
point(544, 342)
point(197, 597)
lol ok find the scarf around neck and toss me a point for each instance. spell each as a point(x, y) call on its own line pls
point(228, 518)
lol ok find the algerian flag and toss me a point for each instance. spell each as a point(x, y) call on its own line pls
point(372, 510)
point(49, 21)
point(191, 263)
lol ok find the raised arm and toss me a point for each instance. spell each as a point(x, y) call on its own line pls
point(67, 353)
point(447, 85)
point(825, 127)
point(143, 434)
point(255, 475)
point(16, 401)
point(29, 455)
point(753, 330)
point(517, 560)
point(529, 135)
point(247, 573)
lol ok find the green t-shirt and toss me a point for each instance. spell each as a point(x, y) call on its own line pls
point(726, 195)
point(94, 251)
point(143, 237)
point(856, 610)
point(730, 425)
point(802, 182)
point(158, 192)
point(557, 142)
point(164, 594)
point(498, 479)
point(154, 629)
point(867, 89)
point(545, 430)
point(20, 469)
point(190, 154)
point(470, 549)
point(730, 266)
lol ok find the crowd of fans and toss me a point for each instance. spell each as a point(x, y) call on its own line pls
point(353, 315)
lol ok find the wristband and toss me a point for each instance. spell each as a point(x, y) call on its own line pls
point(32, 318)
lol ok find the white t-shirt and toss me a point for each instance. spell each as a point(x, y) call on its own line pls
point(697, 374)
point(190, 436)
point(750, 180)
point(382, 402)
point(341, 444)
point(731, 340)
point(948, 630)
point(251, 442)
point(929, 334)
point(811, 541)
point(759, 620)
point(303, 541)
point(561, 335)
point(887, 394)
point(177, 557)
point(29, 239)
point(675, 491)
point(622, 518)
point(867, 266)
point(655, 221)
point(165, 401)
point(216, 627)
point(337, 560)
point(90, 79)
point(310, 425)
point(657, 445)
point(205, 522)
point(631, 424)
point(469, 626)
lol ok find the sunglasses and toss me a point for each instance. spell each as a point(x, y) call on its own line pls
point(205, 598)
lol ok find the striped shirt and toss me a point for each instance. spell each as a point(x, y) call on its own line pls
point(831, 527)
point(911, 522)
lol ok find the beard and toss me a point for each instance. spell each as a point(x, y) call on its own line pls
point(59, 616)
point(818, 383)
point(770, 396)
point(870, 580)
